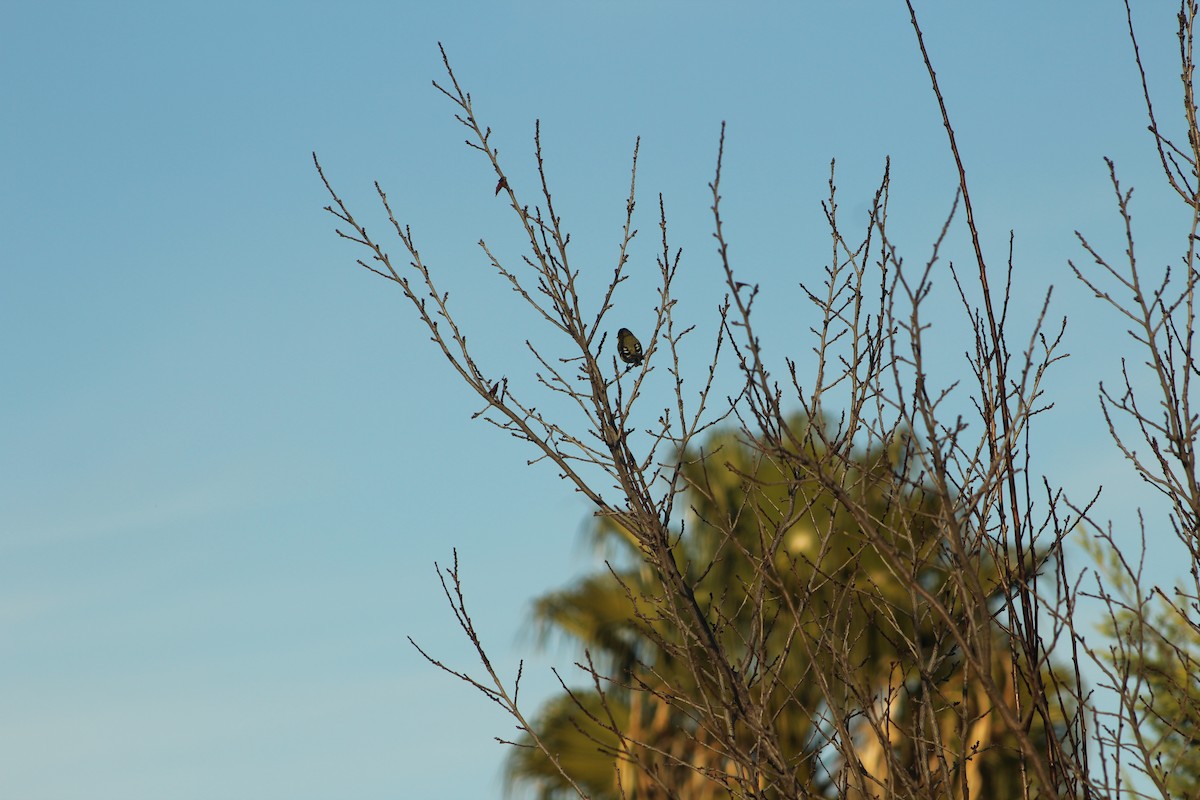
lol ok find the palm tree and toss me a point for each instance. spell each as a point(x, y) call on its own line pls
point(866, 693)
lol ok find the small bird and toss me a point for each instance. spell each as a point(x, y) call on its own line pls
point(628, 347)
point(501, 184)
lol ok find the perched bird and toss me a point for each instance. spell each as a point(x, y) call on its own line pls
point(501, 184)
point(628, 347)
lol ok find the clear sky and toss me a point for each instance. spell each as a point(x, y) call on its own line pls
point(229, 457)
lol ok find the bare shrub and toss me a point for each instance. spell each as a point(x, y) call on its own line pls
point(827, 583)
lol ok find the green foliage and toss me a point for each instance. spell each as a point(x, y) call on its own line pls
point(811, 609)
point(1155, 653)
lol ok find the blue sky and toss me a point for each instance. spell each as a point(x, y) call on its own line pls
point(229, 457)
